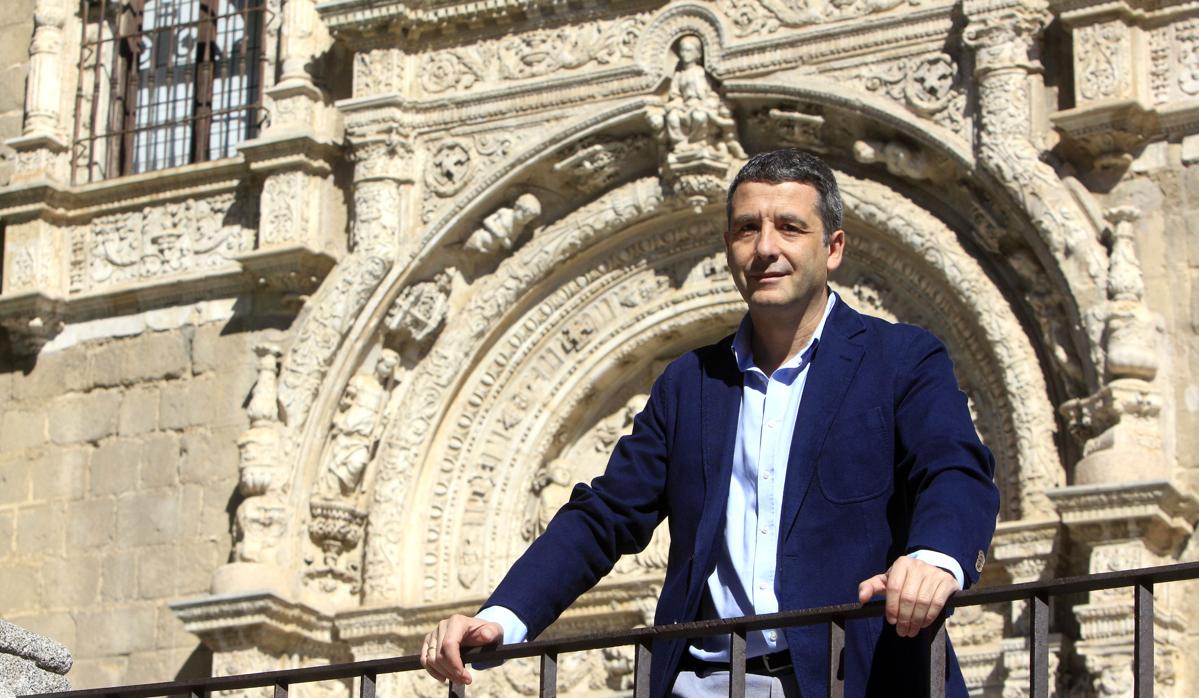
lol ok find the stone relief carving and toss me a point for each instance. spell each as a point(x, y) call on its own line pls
point(768, 16)
point(378, 71)
point(1101, 49)
point(696, 128)
point(193, 234)
point(902, 159)
point(1186, 36)
point(503, 227)
point(530, 55)
point(928, 85)
point(455, 160)
point(419, 311)
point(790, 128)
point(401, 445)
point(262, 516)
point(595, 163)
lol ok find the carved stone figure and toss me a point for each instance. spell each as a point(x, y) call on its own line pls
point(501, 229)
point(354, 428)
point(695, 121)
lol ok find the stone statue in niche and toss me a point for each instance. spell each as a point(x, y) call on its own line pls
point(259, 519)
point(696, 119)
point(501, 229)
point(354, 428)
point(696, 129)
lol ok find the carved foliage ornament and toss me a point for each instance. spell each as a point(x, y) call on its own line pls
point(928, 85)
point(768, 16)
point(1103, 72)
point(378, 71)
point(530, 55)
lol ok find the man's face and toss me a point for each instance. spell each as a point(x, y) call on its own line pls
point(775, 245)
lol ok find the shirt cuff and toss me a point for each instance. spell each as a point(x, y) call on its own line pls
point(515, 631)
point(935, 559)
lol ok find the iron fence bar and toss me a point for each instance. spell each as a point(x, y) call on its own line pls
point(99, 58)
point(281, 689)
point(641, 669)
point(736, 664)
point(1038, 646)
point(79, 91)
point(366, 688)
point(457, 690)
point(642, 637)
point(836, 645)
point(1142, 662)
point(197, 693)
point(549, 675)
point(936, 658)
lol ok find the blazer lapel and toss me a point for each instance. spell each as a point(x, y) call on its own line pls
point(832, 370)
point(720, 408)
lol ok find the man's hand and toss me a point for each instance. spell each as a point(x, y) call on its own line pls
point(441, 653)
point(916, 593)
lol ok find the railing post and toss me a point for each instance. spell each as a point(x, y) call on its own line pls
point(736, 664)
point(280, 689)
point(641, 669)
point(1142, 658)
point(549, 675)
point(1038, 646)
point(936, 658)
point(836, 645)
point(457, 690)
point(367, 689)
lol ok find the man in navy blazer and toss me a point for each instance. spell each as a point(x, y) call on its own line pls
point(882, 488)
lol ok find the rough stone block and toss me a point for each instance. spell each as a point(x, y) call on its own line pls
point(91, 524)
point(39, 530)
point(213, 351)
point(24, 677)
point(19, 582)
point(46, 653)
point(191, 510)
point(115, 466)
point(148, 357)
point(195, 565)
point(159, 460)
point(52, 375)
point(139, 411)
point(150, 667)
point(118, 576)
point(183, 404)
point(22, 429)
point(70, 583)
point(171, 632)
point(148, 517)
point(87, 417)
point(14, 478)
point(215, 515)
point(156, 569)
point(118, 630)
point(209, 456)
point(12, 84)
point(61, 473)
point(59, 627)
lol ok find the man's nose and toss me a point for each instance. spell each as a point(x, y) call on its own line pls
point(767, 244)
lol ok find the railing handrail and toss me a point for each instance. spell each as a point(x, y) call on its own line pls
point(1141, 577)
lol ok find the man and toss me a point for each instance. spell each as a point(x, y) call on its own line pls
point(815, 457)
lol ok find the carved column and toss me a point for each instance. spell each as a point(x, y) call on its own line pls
point(382, 168)
point(1004, 36)
point(1119, 527)
point(1112, 91)
point(1028, 551)
point(42, 147)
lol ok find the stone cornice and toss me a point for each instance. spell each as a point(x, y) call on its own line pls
point(211, 615)
point(1155, 510)
point(427, 16)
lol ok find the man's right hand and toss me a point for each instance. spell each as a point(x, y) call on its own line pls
point(441, 653)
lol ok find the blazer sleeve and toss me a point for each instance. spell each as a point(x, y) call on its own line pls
point(948, 472)
point(615, 515)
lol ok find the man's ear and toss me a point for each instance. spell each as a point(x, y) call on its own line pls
point(836, 249)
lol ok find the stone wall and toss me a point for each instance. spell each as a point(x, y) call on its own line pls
point(16, 25)
point(118, 462)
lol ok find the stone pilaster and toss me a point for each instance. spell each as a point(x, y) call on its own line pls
point(259, 631)
point(1125, 526)
point(382, 177)
point(1028, 551)
point(42, 146)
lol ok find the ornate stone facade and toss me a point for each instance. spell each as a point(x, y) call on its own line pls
point(469, 237)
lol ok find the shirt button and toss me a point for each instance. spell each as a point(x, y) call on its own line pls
point(763, 531)
point(772, 636)
point(771, 424)
point(761, 585)
point(766, 475)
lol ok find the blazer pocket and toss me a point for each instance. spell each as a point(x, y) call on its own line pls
point(857, 461)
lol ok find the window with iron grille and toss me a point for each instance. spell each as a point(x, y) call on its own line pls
point(164, 83)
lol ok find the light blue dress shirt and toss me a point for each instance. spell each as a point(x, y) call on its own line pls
point(744, 582)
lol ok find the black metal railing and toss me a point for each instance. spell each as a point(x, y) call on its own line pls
point(1037, 594)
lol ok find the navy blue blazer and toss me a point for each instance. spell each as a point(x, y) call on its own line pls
point(884, 460)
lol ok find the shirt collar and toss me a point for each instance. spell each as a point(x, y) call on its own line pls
point(743, 348)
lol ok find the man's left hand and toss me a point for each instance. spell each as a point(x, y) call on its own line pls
point(916, 592)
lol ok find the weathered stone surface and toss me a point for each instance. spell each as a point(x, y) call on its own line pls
point(147, 357)
point(83, 418)
point(115, 466)
point(118, 576)
point(91, 524)
point(71, 582)
point(20, 583)
point(22, 429)
point(119, 629)
point(61, 473)
point(147, 517)
point(159, 460)
point(40, 530)
point(7, 519)
point(139, 411)
point(156, 569)
point(14, 477)
point(21, 677)
point(42, 651)
point(209, 456)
